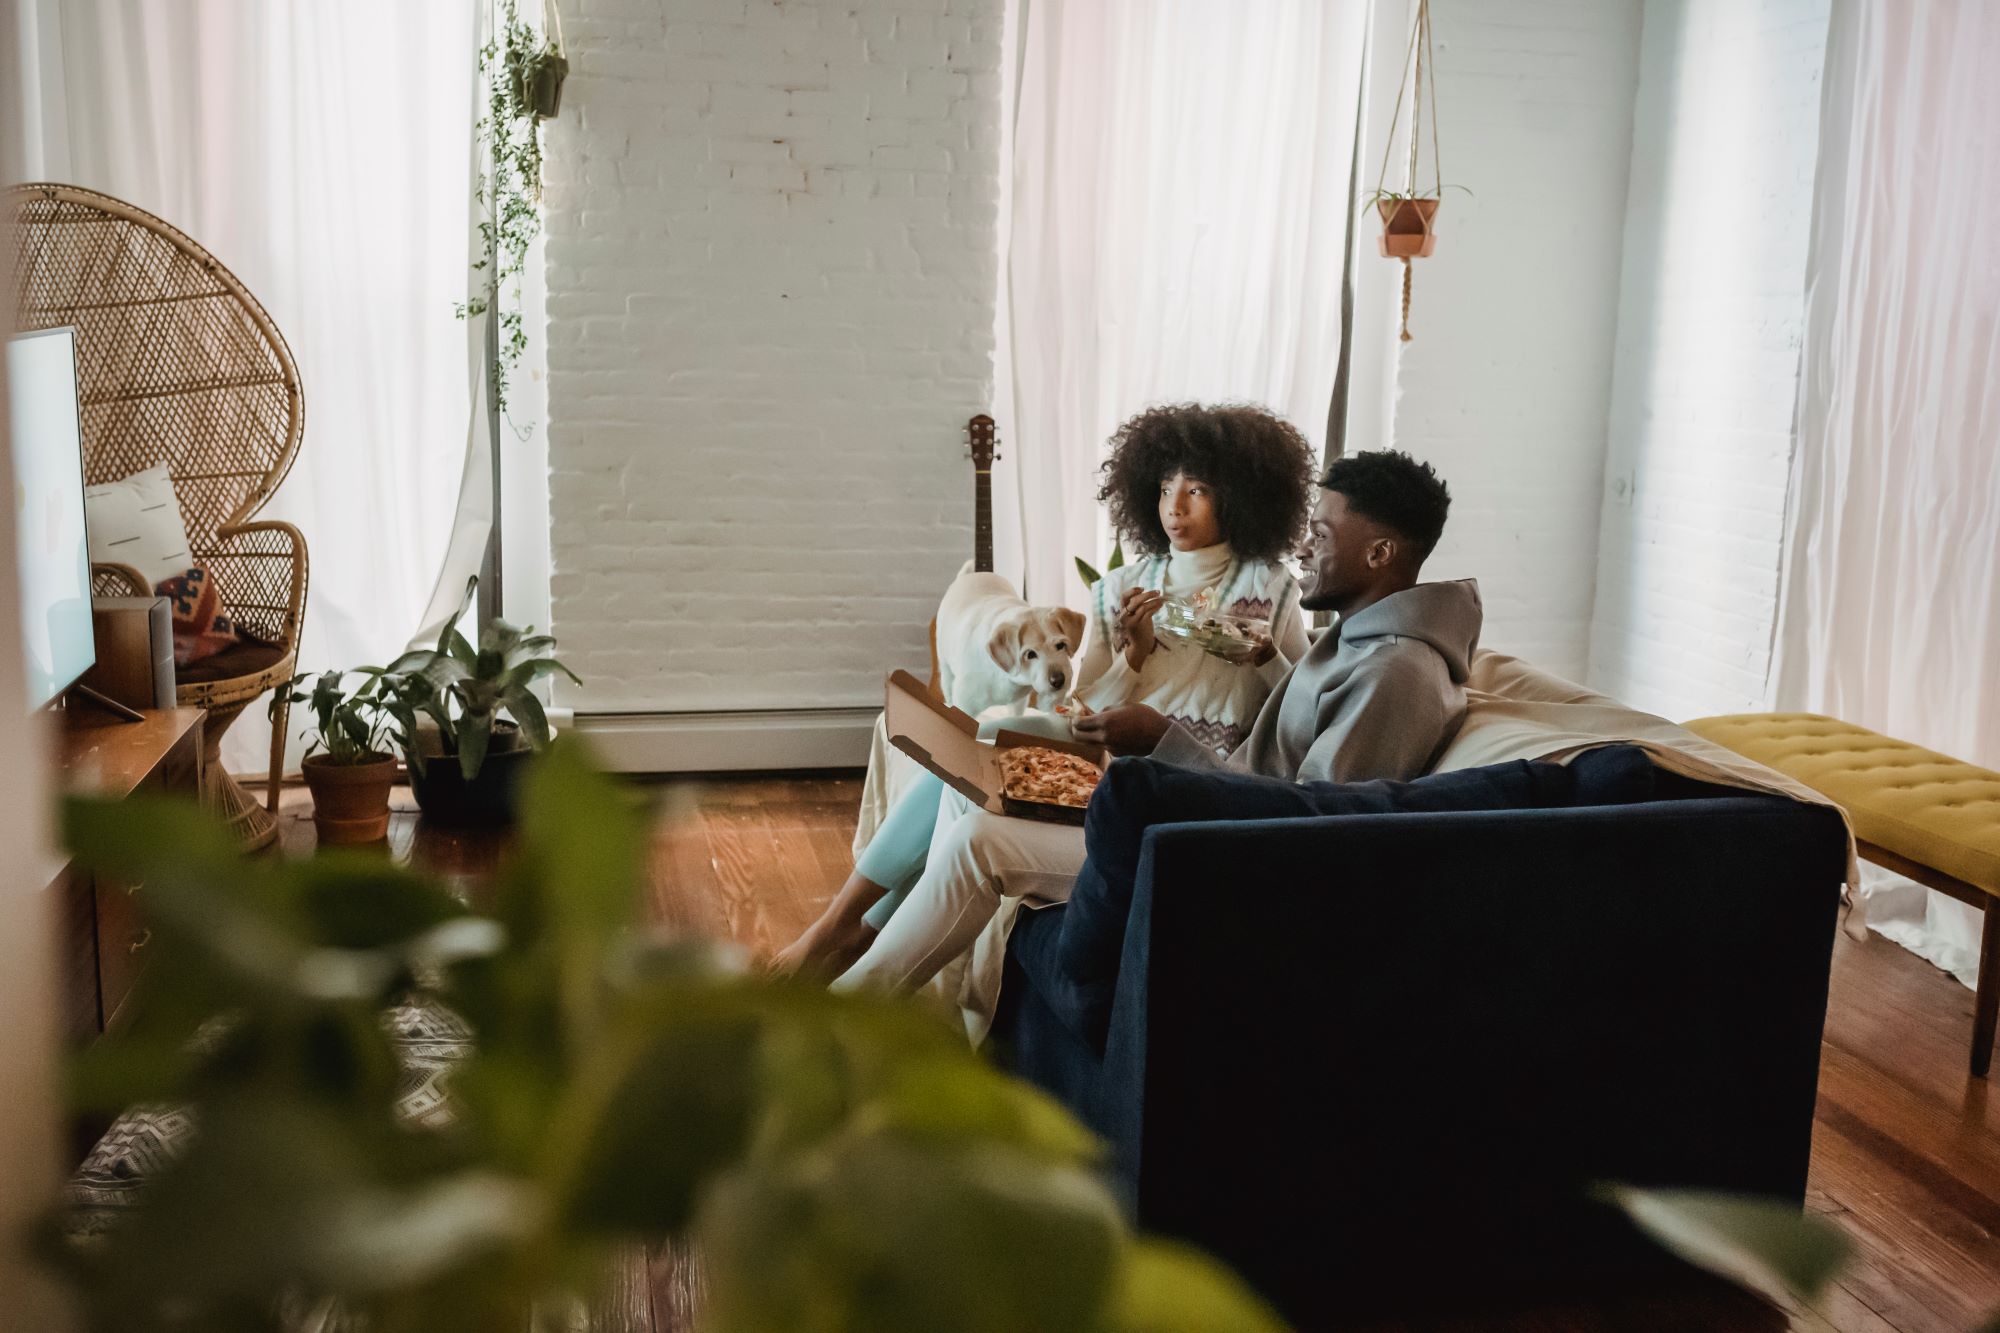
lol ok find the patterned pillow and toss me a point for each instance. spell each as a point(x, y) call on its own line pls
point(201, 627)
point(136, 521)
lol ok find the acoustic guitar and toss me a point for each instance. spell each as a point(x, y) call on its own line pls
point(984, 450)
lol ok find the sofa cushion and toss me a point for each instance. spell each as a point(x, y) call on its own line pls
point(136, 521)
point(246, 657)
point(202, 628)
point(1137, 793)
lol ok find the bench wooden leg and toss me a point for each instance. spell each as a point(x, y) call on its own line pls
point(1986, 1005)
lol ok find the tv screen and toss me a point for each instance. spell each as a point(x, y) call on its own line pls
point(54, 558)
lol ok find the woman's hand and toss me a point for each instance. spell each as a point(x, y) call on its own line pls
point(1266, 649)
point(1135, 623)
point(1130, 729)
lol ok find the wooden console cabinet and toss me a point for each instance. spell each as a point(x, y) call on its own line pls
point(104, 936)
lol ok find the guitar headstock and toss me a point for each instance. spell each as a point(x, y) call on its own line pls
point(981, 442)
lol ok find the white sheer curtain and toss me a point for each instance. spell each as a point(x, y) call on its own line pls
point(322, 152)
point(1890, 615)
point(1173, 228)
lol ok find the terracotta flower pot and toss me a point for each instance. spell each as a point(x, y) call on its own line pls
point(1406, 227)
point(350, 801)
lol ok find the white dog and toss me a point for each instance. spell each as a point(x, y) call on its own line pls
point(996, 650)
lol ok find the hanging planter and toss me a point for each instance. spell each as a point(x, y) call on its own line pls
point(538, 82)
point(536, 71)
point(1409, 215)
point(1406, 226)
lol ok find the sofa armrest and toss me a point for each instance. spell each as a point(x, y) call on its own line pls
point(1373, 1022)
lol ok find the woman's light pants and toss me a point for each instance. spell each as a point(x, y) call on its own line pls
point(976, 860)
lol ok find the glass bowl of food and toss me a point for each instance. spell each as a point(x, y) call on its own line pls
point(1229, 637)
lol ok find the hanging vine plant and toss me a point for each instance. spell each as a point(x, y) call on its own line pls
point(523, 70)
point(1409, 216)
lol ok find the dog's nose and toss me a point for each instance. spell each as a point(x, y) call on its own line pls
point(1056, 679)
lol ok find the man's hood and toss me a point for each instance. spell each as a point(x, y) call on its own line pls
point(1447, 616)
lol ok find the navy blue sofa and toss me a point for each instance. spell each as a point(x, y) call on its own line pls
point(1361, 1056)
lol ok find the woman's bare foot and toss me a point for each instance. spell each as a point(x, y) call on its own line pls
point(828, 948)
point(833, 943)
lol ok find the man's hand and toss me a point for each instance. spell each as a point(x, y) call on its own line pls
point(1135, 623)
point(1131, 729)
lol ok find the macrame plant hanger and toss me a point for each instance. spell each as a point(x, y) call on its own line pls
point(1408, 218)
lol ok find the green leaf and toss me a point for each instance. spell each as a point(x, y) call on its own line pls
point(461, 651)
point(526, 709)
point(498, 637)
point(692, 1068)
point(526, 673)
point(475, 737)
point(893, 1237)
point(450, 630)
point(584, 832)
point(441, 673)
point(356, 901)
point(1767, 1245)
point(963, 1101)
point(530, 644)
point(1166, 1288)
point(1089, 575)
point(1117, 555)
point(412, 662)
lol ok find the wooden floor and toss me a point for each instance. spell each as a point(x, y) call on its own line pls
point(1906, 1151)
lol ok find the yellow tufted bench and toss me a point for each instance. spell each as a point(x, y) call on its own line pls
point(1915, 811)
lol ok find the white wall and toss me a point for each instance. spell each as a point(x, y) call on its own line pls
point(771, 267)
point(1711, 314)
point(1506, 385)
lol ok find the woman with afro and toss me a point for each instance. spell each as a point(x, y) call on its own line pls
point(1211, 498)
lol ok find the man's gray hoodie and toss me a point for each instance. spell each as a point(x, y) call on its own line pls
point(1378, 696)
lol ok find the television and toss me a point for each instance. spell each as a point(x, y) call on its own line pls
point(53, 555)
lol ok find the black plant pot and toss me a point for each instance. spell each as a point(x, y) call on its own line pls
point(444, 795)
point(538, 83)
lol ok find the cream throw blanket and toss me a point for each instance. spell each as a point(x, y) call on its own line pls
point(1517, 711)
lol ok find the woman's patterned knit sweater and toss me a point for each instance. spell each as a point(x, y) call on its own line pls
point(1216, 701)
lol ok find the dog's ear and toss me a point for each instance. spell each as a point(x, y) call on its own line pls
point(1005, 645)
point(1067, 625)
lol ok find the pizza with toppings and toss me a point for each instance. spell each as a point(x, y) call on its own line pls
point(1050, 777)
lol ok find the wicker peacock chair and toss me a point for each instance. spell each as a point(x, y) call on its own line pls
point(178, 364)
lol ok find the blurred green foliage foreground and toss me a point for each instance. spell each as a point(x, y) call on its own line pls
point(841, 1163)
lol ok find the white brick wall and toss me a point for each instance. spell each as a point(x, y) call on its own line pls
point(1710, 319)
point(771, 274)
point(1506, 385)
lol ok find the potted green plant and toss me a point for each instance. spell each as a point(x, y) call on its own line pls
point(475, 710)
point(536, 66)
point(348, 765)
point(1406, 224)
point(842, 1161)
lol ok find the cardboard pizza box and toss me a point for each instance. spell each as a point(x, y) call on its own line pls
point(945, 741)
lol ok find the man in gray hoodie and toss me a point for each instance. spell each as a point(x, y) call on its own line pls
point(1377, 696)
point(1382, 692)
